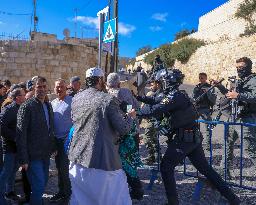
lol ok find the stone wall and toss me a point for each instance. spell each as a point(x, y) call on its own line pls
point(218, 59)
point(20, 60)
point(221, 23)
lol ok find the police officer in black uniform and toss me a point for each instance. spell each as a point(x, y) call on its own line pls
point(184, 137)
point(158, 64)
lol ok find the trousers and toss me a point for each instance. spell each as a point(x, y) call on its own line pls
point(175, 154)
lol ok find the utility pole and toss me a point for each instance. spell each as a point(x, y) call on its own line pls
point(101, 21)
point(116, 40)
point(112, 57)
point(35, 17)
point(76, 10)
point(107, 56)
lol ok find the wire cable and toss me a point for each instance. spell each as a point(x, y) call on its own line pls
point(14, 14)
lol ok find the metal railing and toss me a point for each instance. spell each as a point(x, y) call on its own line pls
point(227, 125)
point(10, 36)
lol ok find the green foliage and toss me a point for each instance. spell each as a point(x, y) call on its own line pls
point(144, 50)
point(183, 33)
point(246, 11)
point(249, 31)
point(181, 51)
point(185, 48)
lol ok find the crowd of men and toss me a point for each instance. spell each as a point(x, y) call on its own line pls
point(32, 129)
point(93, 134)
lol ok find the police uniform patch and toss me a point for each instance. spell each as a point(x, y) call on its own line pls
point(165, 101)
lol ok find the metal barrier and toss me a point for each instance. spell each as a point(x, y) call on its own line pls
point(199, 186)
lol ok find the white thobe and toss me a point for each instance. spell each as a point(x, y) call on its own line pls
point(98, 187)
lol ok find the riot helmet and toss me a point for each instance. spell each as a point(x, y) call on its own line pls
point(172, 79)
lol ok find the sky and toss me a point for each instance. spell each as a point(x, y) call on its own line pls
point(141, 22)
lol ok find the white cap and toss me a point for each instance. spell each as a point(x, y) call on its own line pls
point(94, 72)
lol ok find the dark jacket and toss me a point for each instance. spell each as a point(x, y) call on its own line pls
point(2, 99)
point(98, 123)
point(176, 105)
point(247, 95)
point(8, 126)
point(208, 100)
point(34, 140)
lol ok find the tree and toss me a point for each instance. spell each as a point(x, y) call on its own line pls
point(181, 51)
point(182, 34)
point(144, 50)
point(246, 10)
point(124, 61)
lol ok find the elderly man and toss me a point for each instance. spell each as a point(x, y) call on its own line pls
point(62, 124)
point(75, 85)
point(95, 171)
point(35, 139)
point(129, 148)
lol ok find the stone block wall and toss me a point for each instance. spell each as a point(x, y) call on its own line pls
point(218, 59)
point(20, 60)
point(221, 23)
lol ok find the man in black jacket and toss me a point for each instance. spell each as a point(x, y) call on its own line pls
point(8, 125)
point(35, 139)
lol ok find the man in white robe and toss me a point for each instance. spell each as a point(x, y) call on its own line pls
point(95, 171)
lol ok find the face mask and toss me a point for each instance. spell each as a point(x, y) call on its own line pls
point(243, 72)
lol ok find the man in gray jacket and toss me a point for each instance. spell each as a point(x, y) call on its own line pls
point(95, 171)
point(245, 95)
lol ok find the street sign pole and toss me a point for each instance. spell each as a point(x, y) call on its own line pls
point(101, 28)
point(116, 41)
point(101, 15)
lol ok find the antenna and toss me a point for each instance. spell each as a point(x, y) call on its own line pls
point(75, 20)
point(35, 17)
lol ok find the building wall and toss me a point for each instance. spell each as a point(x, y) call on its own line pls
point(20, 60)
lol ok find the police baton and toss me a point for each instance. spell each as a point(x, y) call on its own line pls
point(211, 88)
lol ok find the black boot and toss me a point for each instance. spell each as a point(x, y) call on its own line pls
point(172, 201)
point(136, 189)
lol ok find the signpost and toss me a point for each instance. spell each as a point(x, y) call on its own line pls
point(101, 15)
point(109, 31)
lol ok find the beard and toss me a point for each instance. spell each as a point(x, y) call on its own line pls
point(40, 94)
point(244, 72)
